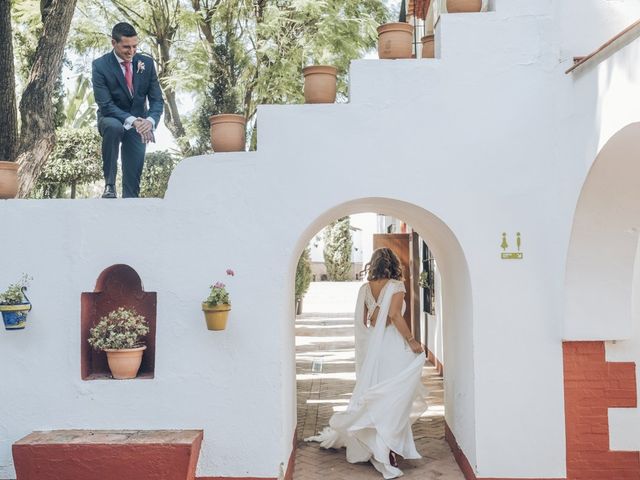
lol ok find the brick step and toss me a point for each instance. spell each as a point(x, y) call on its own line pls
point(108, 455)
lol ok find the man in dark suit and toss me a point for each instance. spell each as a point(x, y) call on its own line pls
point(123, 82)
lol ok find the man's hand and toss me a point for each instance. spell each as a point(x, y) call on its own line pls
point(147, 137)
point(145, 128)
point(142, 126)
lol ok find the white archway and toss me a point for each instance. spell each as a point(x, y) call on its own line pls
point(604, 242)
point(457, 309)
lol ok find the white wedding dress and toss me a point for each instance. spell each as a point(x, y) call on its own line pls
point(388, 396)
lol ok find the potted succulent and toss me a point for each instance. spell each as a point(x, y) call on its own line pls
point(216, 306)
point(15, 305)
point(8, 179)
point(395, 40)
point(120, 335)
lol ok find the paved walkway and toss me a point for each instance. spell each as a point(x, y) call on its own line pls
point(325, 373)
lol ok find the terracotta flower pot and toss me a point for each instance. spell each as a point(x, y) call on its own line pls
point(216, 316)
point(395, 40)
point(125, 363)
point(8, 179)
point(428, 46)
point(228, 132)
point(464, 6)
point(320, 84)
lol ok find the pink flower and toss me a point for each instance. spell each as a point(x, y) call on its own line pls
point(230, 272)
point(219, 285)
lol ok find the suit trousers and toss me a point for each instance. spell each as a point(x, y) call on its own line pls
point(132, 150)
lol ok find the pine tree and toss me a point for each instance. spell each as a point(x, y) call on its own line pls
point(337, 249)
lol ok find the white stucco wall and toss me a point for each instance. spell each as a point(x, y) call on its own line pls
point(504, 138)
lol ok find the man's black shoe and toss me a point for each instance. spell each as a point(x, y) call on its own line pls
point(109, 192)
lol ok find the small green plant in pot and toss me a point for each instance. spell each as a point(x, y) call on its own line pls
point(216, 306)
point(15, 305)
point(120, 335)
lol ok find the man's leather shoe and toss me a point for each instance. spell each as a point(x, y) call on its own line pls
point(109, 192)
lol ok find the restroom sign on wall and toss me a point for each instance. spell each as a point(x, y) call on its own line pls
point(511, 255)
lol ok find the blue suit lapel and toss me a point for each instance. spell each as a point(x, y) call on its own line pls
point(136, 75)
point(115, 66)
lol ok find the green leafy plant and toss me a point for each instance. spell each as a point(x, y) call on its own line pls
point(424, 279)
point(219, 294)
point(303, 274)
point(121, 328)
point(155, 174)
point(14, 295)
point(337, 249)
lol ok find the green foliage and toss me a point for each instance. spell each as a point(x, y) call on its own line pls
point(79, 105)
point(219, 294)
point(13, 294)
point(75, 160)
point(268, 44)
point(303, 273)
point(121, 328)
point(27, 28)
point(337, 249)
point(155, 174)
point(221, 94)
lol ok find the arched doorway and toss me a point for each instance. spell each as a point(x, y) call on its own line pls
point(602, 321)
point(459, 369)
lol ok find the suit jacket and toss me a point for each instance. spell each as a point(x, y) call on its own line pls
point(112, 95)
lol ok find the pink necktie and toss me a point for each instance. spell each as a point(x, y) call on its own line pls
point(128, 76)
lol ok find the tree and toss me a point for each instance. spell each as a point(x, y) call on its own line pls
point(337, 249)
point(276, 40)
point(37, 126)
point(155, 173)
point(8, 111)
point(303, 277)
point(75, 161)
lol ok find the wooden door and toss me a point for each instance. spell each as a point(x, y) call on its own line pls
point(406, 247)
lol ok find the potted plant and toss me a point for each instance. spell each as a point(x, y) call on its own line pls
point(120, 334)
point(8, 179)
point(216, 306)
point(320, 83)
point(464, 6)
point(15, 305)
point(395, 39)
point(228, 132)
point(303, 278)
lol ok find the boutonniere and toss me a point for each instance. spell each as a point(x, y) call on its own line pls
point(140, 66)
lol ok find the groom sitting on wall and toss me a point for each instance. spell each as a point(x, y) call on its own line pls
point(123, 81)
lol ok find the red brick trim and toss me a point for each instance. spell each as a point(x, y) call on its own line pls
point(292, 458)
point(592, 386)
point(459, 455)
point(434, 361)
point(288, 474)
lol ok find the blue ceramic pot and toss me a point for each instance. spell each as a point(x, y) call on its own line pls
point(15, 316)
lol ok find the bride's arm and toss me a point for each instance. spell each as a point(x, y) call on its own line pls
point(395, 314)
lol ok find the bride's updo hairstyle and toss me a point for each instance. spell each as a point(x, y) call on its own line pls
point(384, 264)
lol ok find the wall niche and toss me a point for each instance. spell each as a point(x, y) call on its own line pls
point(117, 286)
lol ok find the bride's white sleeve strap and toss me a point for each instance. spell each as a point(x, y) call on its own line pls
point(400, 287)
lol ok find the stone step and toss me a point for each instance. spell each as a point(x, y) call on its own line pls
point(108, 455)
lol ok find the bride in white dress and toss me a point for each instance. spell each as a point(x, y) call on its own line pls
point(388, 396)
